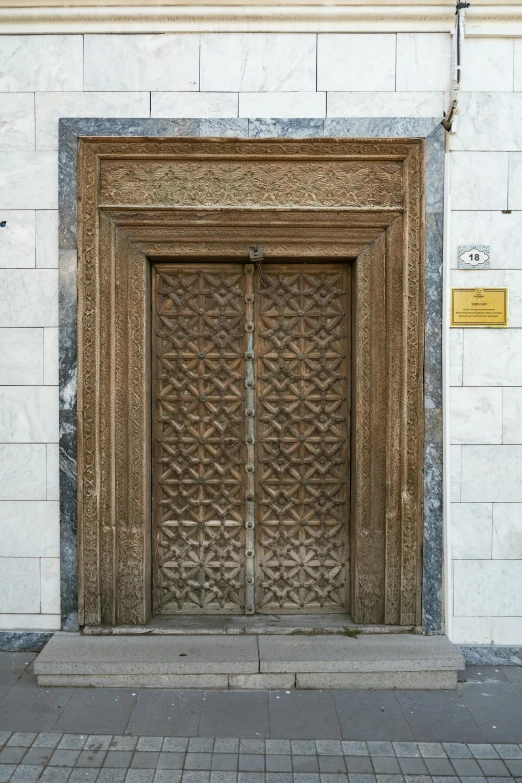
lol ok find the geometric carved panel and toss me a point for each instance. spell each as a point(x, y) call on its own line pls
point(300, 414)
point(303, 437)
point(198, 457)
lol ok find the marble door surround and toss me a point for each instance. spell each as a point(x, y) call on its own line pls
point(136, 191)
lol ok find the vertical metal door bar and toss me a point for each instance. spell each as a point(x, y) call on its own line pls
point(250, 440)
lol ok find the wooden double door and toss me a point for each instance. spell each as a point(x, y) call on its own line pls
point(251, 433)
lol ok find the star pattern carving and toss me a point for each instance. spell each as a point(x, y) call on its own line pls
point(198, 494)
point(302, 442)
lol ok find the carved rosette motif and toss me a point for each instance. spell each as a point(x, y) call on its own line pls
point(145, 199)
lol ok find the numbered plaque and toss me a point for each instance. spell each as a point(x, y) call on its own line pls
point(479, 307)
point(474, 256)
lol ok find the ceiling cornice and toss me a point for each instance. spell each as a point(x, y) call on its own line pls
point(133, 16)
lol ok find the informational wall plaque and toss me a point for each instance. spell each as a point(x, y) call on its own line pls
point(474, 256)
point(479, 307)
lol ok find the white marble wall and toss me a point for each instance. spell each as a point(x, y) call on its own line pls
point(46, 77)
point(486, 365)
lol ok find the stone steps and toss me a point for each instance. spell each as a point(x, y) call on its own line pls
point(249, 662)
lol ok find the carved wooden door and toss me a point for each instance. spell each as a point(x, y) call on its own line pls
point(251, 399)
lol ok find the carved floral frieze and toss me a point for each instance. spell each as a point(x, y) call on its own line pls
point(253, 183)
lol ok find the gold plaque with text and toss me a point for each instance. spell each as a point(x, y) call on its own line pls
point(479, 307)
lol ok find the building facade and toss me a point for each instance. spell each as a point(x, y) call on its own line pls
point(316, 78)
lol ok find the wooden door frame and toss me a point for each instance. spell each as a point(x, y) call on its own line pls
point(142, 199)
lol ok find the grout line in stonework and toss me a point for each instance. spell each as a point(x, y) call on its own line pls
point(8, 691)
point(34, 211)
point(507, 193)
point(462, 382)
point(201, 711)
point(403, 710)
point(514, 211)
point(336, 714)
point(502, 417)
point(83, 63)
point(199, 65)
point(34, 117)
point(460, 476)
point(316, 61)
point(453, 584)
point(395, 73)
point(492, 526)
point(58, 717)
point(138, 694)
point(462, 368)
point(511, 328)
point(24, 269)
point(24, 442)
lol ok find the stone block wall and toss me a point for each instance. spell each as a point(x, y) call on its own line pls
point(486, 365)
point(45, 77)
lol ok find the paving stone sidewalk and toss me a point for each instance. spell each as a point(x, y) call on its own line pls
point(125, 735)
point(79, 758)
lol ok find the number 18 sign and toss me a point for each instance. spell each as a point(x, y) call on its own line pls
point(474, 256)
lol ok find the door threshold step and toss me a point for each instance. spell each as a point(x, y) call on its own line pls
point(283, 624)
point(249, 662)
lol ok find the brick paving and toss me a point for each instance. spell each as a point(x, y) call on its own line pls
point(27, 757)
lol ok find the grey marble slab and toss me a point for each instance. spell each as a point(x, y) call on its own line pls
point(224, 128)
point(380, 127)
point(432, 555)
point(433, 313)
point(434, 182)
point(285, 129)
point(491, 655)
point(68, 520)
point(23, 641)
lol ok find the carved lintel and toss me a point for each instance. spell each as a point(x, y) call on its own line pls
point(253, 183)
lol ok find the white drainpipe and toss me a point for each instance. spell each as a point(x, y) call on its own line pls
point(458, 47)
